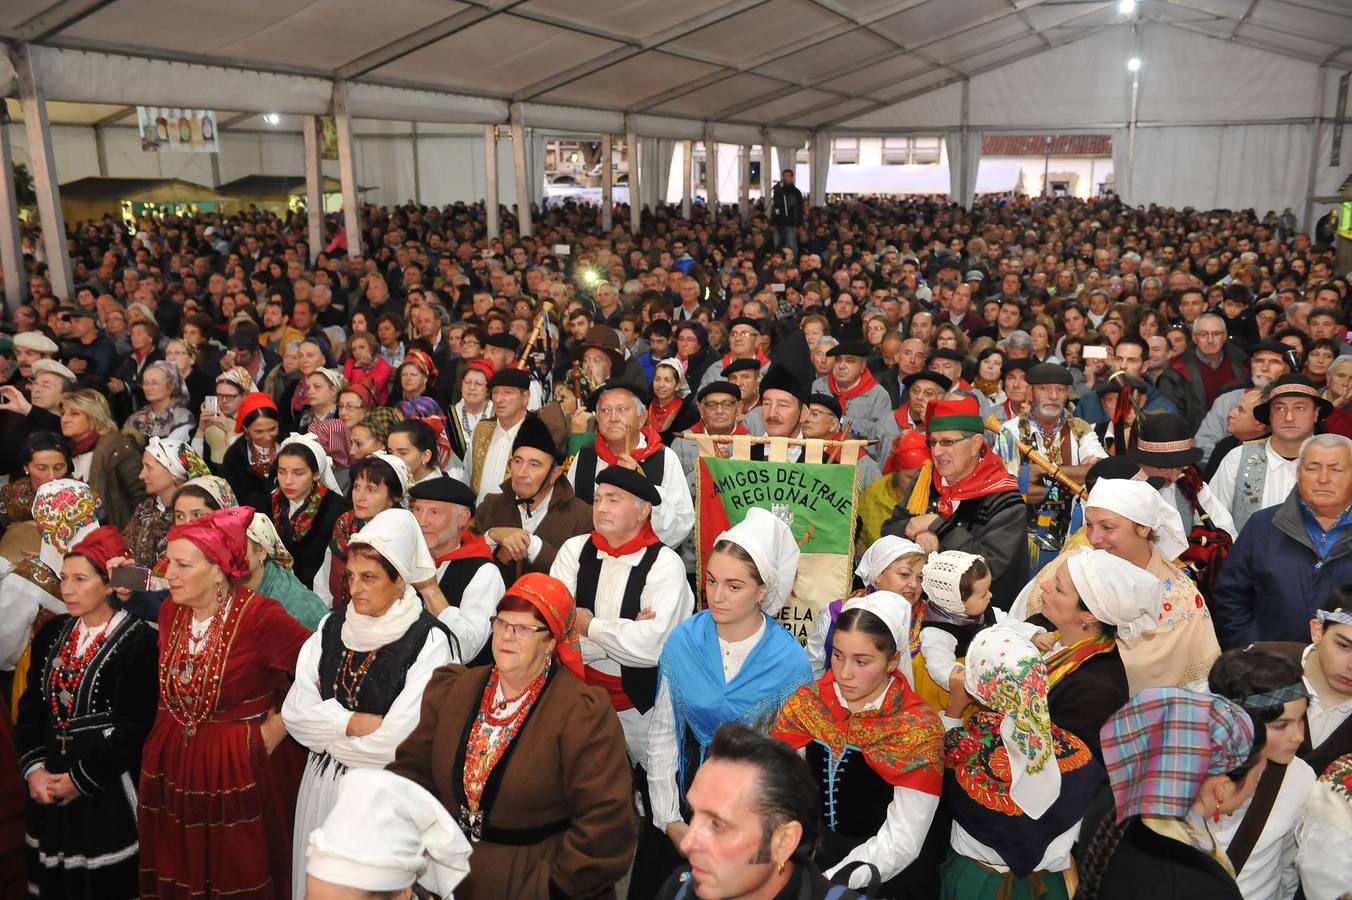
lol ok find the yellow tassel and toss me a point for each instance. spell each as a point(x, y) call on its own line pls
point(918, 503)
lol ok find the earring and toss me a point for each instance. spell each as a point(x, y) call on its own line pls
point(1217, 815)
point(779, 869)
point(1084, 626)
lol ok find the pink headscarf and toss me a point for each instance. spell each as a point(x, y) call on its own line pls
point(222, 538)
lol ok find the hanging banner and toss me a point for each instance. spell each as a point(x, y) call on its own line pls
point(328, 137)
point(172, 128)
point(817, 500)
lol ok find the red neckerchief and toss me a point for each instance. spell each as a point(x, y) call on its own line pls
point(989, 477)
point(661, 414)
point(85, 444)
point(472, 546)
point(652, 440)
point(698, 428)
point(863, 385)
point(760, 358)
point(903, 416)
point(645, 538)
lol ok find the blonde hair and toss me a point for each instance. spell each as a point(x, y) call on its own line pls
point(94, 405)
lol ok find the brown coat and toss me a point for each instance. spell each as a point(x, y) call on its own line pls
point(567, 764)
point(115, 475)
point(566, 517)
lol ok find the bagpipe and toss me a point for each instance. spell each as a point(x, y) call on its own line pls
point(1208, 546)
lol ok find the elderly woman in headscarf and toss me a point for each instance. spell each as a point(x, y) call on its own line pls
point(875, 748)
point(65, 511)
point(729, 662)
point(165, 466)
point(1130, 520)
point(307, 503)
point(528, 757)
point(313, 354)
point(360, 678)
point(323, 387)
point(892, 564)
point(218, 779)
point(1177, 761)
point(166, 413)
point(1016, 783)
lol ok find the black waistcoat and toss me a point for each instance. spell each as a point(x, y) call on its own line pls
point(584, 477)
point(384, 680)
point(453, 582)
point(640, 684)
point(854, 797)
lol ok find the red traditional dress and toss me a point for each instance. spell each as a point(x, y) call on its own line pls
point(216, 808)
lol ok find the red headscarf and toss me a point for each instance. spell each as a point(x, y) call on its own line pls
point(483, 365)
point(365, 392)
point(251, 402)
point(420, 359)
point(552, 599)
point(101, 545)
point(221, 536)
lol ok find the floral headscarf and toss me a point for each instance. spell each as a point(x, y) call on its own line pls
point(218, 488)
point(178, 457)
point(263, 533)
point(239, 377)
point(65, 510)
point(1005, 673)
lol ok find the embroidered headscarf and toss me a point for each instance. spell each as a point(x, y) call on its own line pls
point(65, 510)
point(263, 533)
point(218, 488)
point(325, 474)
point(552, 599)
point(769, 542)
point(1142, 504)
point(395, 535)
point(178, 457)
point(1117, 592)
point(1165, 742)
point(239, 377)
point(221, 536)
point(1004, 672)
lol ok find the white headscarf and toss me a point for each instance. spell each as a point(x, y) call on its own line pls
point(311, 443)
point(400, 469)
point(1005, 673)
point(1117, 592)
point(395, 535)
point(263, 533)
point(942, 580)
point(881, 554)
point(1142, 504)
point(771, 545)
point(385, 832)
point(895, 612)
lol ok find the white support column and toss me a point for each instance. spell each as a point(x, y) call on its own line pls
point(491, 181)
point(818, 162)
point(347, 169)
point(687, 167)
point(787, 158)
point(1316, 144)
point(767, 169)
point(42, 161)
point(417, 177)
point(607, 184)
point(744, 184)
point(519, 164)
point(635, 176)
point(11, 248)
point(314, 184)
point(711, 168)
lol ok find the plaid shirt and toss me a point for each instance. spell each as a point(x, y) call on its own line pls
point(1160, 746)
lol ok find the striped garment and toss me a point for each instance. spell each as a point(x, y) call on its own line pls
point(1165, 742)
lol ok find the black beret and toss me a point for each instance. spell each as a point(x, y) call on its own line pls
point(779, 378)
point(948, 353)
point(616, 384)
point(944, 382)
point(534, 433)
point(827, 401)
point(509, 377)
point(749, 322)
point(628, 480)
point(850, 348)
point(1049, 373)
point(741, 365)
point(719, 387)
point(504, 340)
point(444, 489)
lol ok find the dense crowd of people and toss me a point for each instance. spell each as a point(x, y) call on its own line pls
point(330, 574)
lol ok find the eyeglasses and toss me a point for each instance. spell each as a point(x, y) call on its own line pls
point(945, 442)
point(717, 405)
point(350, 407)
point(1209, 334)
point(504, 628)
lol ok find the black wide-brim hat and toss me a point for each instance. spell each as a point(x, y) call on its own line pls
point(1292, 385)
point(1165, 441)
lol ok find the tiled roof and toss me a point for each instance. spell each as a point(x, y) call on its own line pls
point(1036, 145)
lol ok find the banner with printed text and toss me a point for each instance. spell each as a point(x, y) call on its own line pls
point(816, 500)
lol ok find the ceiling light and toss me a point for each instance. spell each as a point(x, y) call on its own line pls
point(1134, 64)
point(1127, 7)
point(272, 118)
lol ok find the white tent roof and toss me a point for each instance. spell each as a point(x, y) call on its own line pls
point(787, 64)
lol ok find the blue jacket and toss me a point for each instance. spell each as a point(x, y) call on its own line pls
point(1273, 581)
